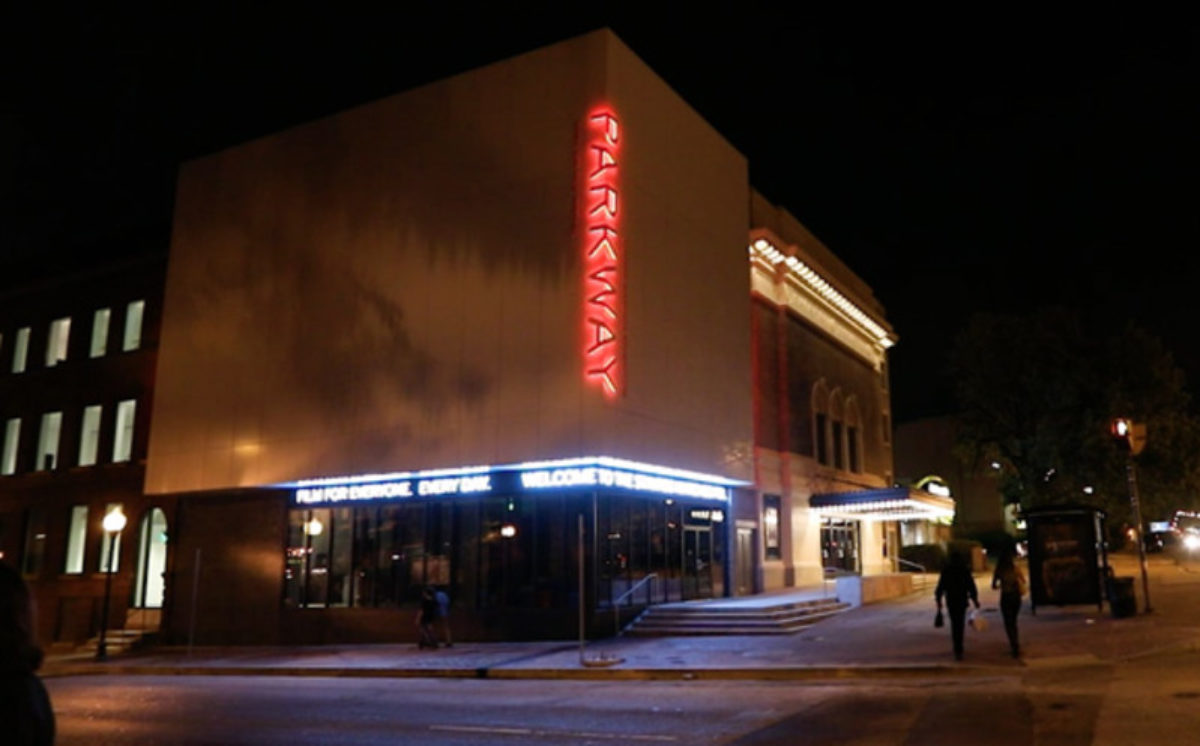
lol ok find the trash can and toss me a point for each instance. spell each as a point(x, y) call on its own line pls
point(1121, 598)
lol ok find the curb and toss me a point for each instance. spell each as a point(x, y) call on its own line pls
point(794, 673)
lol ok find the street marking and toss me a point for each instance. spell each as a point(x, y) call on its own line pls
point(493, 730)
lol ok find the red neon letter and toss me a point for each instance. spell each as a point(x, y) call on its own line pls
point(602, 248)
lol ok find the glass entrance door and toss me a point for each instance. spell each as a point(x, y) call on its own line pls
point(697, 562)
point(839, 545)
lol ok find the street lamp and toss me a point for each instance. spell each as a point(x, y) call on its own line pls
point(1131, 438)
point(114, 522)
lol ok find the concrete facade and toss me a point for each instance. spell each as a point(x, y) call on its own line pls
point(399, 286)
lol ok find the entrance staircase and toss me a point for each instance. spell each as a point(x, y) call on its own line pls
point(141, 628)
point(783, 614)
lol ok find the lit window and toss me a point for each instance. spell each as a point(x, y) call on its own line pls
point(123, 436)
point(12, 437)
point(76, 540)
point(20, 350)
point(89, 435)
point(48, 441)
point(133, 325)
point(100, 332)
point(113, 544)
point(56, 345)
point(771, 519)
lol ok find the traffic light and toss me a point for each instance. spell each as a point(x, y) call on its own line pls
point(1130, 435)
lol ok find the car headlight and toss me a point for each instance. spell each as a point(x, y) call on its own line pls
point(1191, 542)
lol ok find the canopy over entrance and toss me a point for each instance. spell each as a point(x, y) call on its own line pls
point(890, 504)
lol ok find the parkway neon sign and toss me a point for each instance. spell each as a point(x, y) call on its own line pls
point(603, 337)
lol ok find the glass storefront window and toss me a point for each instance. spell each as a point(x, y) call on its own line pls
point(500, 552)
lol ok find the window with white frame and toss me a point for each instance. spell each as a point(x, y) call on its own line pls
point(111, 543)
point(47, 458)
point(20, 350)
point(133, 325)
point(100, 321)
point(123, 434)
point(56, 343)
point(12, 438)
point(89, 434)
point(76, 540)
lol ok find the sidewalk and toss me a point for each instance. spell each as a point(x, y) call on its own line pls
point(888, 639)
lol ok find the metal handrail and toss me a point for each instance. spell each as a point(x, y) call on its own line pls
point(919, 567)
point(616, 604)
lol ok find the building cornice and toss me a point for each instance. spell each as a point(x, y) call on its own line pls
point(789, 280)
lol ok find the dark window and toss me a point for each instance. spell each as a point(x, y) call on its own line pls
point(34, 554)
point(852, 447)
point(837, 444)
point(822, 439)
point(766, 384)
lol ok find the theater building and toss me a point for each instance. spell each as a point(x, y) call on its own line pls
point(527, 334)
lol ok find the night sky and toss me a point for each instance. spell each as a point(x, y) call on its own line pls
point(956, 163)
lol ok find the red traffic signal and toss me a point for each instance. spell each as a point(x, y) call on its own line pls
point(1129, 434)
point(1121, 428)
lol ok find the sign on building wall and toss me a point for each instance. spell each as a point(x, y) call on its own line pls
point(603, 335)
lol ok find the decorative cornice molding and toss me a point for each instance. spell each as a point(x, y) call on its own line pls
point(765, 257)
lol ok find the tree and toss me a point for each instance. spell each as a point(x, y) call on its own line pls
point(1036, 393)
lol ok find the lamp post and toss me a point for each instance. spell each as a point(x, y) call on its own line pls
point(114, 522)
point(1131, 436)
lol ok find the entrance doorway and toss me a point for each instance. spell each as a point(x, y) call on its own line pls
point(839, 545)
point(697, 562)
point(152, 561)
point(746, 562)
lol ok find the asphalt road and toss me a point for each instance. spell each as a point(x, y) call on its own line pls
point(1152, 700)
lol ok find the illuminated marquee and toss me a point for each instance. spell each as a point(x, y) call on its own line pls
point(392, 490)
point(597, 472)
point(594, 476)
point(603, 337)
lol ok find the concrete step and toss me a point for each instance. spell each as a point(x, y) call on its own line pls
point(735, 615)
point(118, 641)
point(773, 620)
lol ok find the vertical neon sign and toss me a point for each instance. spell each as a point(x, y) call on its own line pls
point(603, 337)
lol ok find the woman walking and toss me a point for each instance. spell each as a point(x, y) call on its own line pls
point(1011, 582)
point(958, 585)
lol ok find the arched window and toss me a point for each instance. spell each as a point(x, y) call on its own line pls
point(820, 408)
point(152, 560)
point(853, 435)
point(837, 429)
